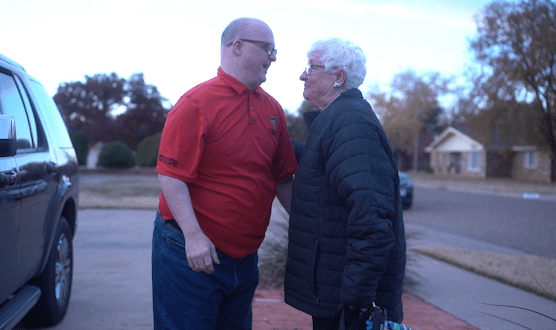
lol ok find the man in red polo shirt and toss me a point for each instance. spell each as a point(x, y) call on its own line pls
point(225, 153)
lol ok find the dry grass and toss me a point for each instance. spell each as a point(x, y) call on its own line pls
point(532, 273)
point(123, 187)
point(106, 201)
point(131, 192)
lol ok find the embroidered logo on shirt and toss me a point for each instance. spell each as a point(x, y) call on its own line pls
point(273, 120)
point(168, 160)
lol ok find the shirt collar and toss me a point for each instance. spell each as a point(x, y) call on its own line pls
point(235, 84)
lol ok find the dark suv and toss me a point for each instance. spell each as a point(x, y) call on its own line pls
point(38, 202)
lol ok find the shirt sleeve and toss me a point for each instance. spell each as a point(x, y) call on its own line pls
point(182, 141)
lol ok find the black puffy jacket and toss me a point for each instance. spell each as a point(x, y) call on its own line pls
point(346, 232)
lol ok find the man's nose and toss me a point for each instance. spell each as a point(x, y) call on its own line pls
point(273, 56)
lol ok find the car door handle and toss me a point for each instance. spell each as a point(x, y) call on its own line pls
point(8, 179)
point(51, 168)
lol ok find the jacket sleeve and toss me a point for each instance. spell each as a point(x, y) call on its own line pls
point(362, 175)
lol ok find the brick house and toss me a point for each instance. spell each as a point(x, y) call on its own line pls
point(530, 164)
point(454, 153)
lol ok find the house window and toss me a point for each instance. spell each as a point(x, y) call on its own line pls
point(474, 161)
point(530, 159)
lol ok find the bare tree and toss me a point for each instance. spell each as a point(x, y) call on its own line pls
point(409, 110)
point(296, 124)
point(516, 50)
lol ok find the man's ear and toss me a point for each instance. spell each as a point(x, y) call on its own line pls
point(237, 46)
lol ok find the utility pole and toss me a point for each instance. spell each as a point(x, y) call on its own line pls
point(416, 152)
point(416, 142)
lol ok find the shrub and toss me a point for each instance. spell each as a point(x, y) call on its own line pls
point(116, 155)
point(147, 151)
point(274, 249)
point(80, 140)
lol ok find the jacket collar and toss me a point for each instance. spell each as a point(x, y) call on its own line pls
point(354, 93)
point(310, 116)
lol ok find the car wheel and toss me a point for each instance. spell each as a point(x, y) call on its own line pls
point(55, 281)
point(406, 206)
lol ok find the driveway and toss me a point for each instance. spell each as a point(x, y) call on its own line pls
point(112, 271)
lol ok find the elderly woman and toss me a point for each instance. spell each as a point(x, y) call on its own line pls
point(346, 237)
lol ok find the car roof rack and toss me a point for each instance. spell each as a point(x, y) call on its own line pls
point(11, 62)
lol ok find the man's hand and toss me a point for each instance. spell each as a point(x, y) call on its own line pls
point(199, 250)
point(201, 253)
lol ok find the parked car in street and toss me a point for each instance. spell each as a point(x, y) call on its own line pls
point(406, 190)
point(38, 202)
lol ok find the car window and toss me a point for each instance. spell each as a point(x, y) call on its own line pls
point(35, 132)
point(11, 104)
point(45, 101)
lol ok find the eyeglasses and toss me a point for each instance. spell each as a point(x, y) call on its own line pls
point(266, 46)
point(309, 68)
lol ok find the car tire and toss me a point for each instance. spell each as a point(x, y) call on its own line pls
point(55, 281)
point(406, 206)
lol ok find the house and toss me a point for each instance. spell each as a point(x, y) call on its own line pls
point(456, 154)
point(531, 164)
point(94, 153)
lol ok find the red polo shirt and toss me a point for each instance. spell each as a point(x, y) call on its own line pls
point(230, 145)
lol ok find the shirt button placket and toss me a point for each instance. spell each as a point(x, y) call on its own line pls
point(251, 114)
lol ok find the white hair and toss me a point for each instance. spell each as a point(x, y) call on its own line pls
point(338, 54)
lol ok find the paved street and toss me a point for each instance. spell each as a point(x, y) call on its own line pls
point(528, 225)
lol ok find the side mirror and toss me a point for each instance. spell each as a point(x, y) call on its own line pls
point(7, 136)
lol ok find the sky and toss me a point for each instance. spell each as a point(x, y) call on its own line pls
point(176, 43)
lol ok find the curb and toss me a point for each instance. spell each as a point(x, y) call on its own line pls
point(116, 171)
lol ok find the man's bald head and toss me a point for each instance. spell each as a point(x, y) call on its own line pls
point(243, 27)
point(247, 50)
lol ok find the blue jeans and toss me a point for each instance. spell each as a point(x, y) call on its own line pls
point(184, 299)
